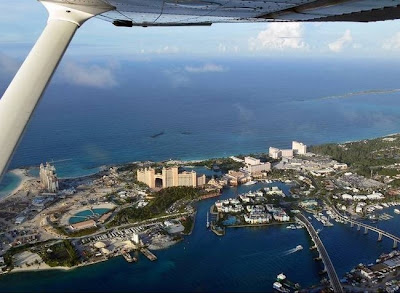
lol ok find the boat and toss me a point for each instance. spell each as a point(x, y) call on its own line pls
point(128, 257)
point(299, 247)
point(250, 183)
point(279, 287)
point(396, 211)
point(208, 221)
point(280, 277)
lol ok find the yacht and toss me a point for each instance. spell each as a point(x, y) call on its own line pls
point(250, 183)
point(299, 247)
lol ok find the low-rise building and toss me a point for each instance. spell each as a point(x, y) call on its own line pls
point(281, 216)
point(251, 161)
point(258, 168)
point(83, 225)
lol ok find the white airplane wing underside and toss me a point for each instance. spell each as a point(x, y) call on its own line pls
point(186, 12)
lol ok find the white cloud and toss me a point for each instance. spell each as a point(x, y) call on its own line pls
point(177, 78)
point(393, 43)
point(209, 67)
point(223, 48)
point(279, 36)
point(342, 42)
point(161, 50)
point(89, 75)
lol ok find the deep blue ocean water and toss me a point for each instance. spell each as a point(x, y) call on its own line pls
point(250, 106)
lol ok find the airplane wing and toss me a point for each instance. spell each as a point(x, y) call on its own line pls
point(66, 16)
point(204, 12)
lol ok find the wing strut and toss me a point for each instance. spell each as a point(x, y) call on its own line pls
point(23, 94)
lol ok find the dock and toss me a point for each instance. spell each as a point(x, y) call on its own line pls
point(147, 253)
point(128, 257)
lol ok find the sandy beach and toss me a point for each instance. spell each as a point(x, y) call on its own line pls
point(24, 179)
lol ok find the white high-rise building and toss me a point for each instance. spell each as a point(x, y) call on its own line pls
point(48, 177)
point(275, 153)
point(299, 148)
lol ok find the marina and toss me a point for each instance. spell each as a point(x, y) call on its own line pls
point(147, 253)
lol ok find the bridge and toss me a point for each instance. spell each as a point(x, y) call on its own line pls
point(330, 269)
point(367, 228)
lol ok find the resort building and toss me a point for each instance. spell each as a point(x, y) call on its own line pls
point(275, 153)
point(255, 166)
point(299, 148)
point(169, 177)
point(48, 177)
point(235, 178)
point(83, 225)
point(236, 159)
point(250, 161)
point(265, 167)
point(287, 153)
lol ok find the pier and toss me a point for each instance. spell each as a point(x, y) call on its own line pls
point(367, 228)
point(323, 254)
point(147, 253)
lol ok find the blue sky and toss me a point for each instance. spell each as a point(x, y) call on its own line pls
point(22, 21)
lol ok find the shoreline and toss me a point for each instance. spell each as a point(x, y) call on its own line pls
point(22, 172)
point(24, 177)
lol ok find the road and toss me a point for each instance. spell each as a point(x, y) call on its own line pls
point(336, 285)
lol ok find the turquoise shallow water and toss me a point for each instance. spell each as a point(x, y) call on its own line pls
point(84, 215)
point(9, 183)
point(245, 259)
point(252, 105)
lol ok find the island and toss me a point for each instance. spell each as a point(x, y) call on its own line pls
point(141, 207)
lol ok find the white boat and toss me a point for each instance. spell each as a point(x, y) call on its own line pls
point(280, 277)
point(299, 247)
point(396, 211)
point(250, 183)
point(279, 287)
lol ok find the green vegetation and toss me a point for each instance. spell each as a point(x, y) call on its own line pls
point(395, 183)
point(188, 224)
point(15, 250)
point(387, 171)
point(364, 156)
point(224, 164)
point(128, 167)
point(60, 254)
point(79, 233)
point(163, 199)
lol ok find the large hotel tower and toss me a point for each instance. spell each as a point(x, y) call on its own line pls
point(48, 177)
point(170, 177)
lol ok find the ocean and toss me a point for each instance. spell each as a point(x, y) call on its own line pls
point(245, 107)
